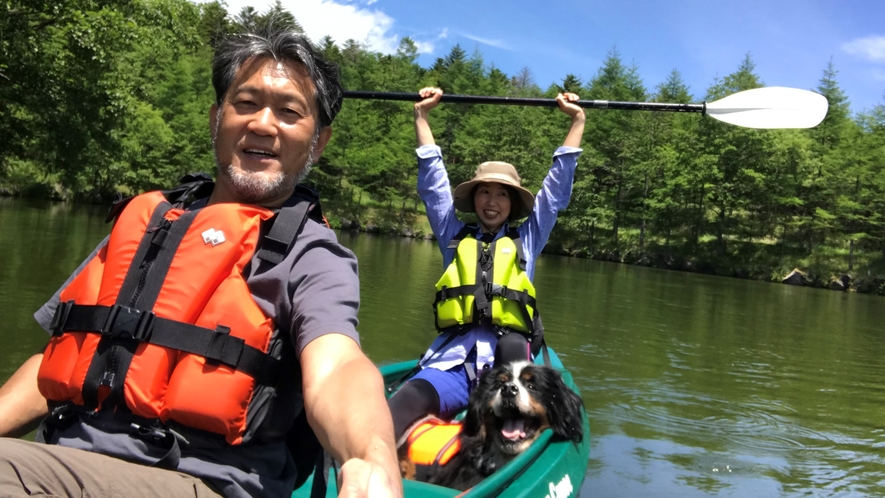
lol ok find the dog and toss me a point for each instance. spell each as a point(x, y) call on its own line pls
point(506, 412)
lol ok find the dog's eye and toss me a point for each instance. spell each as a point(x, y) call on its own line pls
point(530, 386)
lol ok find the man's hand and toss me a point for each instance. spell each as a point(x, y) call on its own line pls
point(361, 479)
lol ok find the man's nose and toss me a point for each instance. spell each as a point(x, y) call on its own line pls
point(264, 122)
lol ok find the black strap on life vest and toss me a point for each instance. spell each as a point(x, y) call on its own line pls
point(130, 324)
point(139, 291)
point(288, 223)
point(130, 320)
point(191, 187)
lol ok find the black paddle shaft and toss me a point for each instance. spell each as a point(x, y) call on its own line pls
point(478, 99)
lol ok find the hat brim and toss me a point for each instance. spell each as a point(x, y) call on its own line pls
point(463, 196)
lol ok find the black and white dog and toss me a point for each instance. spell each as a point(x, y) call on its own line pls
point(507, 411)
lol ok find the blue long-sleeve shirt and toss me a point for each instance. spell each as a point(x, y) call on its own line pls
point(436, 193)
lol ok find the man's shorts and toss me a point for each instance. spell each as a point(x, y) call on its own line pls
point(28, 469)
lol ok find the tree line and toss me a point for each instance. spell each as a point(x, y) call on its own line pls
point(99, 97)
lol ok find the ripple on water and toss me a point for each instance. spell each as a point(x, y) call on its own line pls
point(757, 425)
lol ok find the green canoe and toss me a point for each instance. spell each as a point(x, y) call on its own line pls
point(548, 469)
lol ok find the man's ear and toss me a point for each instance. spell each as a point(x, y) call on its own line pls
point(213, 120)
point(322, 141)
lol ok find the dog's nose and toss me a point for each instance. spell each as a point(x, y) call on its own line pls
point(509, 390)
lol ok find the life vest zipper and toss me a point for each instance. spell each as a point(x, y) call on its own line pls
point(159, 235)
point(116, 351)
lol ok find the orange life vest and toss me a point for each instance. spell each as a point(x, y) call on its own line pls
point(161, 323)
point(434, 442)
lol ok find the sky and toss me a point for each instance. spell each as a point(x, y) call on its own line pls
point(790, 41)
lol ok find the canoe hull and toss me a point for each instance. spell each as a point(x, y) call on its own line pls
point(549, 468)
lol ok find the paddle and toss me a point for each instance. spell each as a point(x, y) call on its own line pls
point(769, 107)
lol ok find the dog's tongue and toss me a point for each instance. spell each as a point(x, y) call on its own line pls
point(513, 429)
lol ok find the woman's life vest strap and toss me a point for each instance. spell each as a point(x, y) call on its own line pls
point(487, 281)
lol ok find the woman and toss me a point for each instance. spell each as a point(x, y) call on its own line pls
point(485, 306)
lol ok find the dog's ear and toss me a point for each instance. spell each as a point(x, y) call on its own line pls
point(473, 419)
point(565, 414)
point(478, 404)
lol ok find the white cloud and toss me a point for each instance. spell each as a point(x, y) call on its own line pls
point(871, 48)
point(342, 21)
point(425, 47)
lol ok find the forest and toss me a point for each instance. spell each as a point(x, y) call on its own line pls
point(112, 96)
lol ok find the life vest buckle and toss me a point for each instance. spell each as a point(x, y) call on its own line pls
point(224, 348)
point(60, 317)
point(155, 435)
point(124, 322)
point(492, 289)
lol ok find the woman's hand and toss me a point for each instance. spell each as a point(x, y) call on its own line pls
point(431, 96)
point(566, 105)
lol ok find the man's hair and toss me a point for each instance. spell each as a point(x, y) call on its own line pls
point(272, 41)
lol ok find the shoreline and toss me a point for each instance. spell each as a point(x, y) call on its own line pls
point(871, 284)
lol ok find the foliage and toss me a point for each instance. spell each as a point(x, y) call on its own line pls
point(109, 96)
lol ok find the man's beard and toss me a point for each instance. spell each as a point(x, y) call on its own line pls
point(252, 187)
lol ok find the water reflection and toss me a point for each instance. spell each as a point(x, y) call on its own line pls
point(695, 385)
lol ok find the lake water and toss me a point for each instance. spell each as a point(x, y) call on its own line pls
point(695, 385)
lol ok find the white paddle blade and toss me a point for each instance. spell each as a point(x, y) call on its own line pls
point(771, 107)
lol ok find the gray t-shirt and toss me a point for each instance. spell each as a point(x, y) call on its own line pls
point(314, 291)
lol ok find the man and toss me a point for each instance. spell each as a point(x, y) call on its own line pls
point(275, 101)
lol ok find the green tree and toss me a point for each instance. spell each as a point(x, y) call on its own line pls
point(73, 82)
point(615, 139)
point(735, 182)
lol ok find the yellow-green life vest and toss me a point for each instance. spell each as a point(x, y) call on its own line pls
point(503, 294)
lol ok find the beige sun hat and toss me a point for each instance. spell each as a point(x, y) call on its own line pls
point(495, 172)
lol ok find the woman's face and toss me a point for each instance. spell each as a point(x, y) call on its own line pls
point(492, 204)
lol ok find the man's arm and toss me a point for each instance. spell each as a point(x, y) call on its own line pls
point(345, 404)
point(22, 407)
